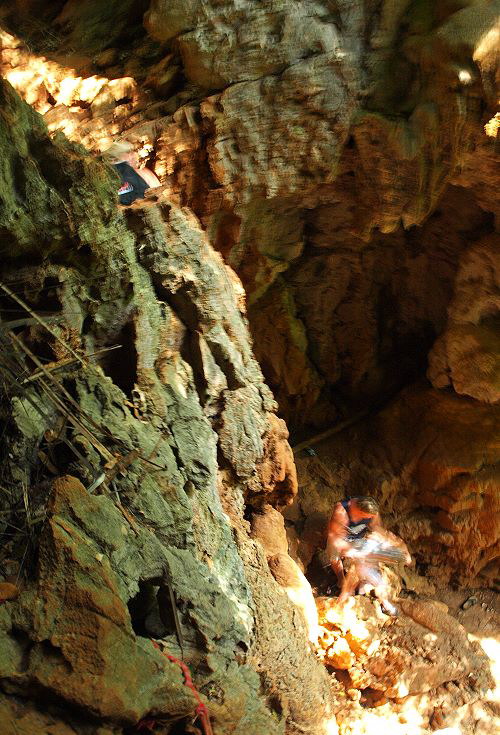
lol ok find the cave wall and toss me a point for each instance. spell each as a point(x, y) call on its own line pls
point(336, 153)
point(340, 157)
point(329, 149)
point(128, 462)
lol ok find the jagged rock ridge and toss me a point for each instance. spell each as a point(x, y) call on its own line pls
point(150, 281)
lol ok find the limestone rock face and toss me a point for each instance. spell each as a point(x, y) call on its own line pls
point(287, 573)
point(341, 158)
point(77, 632)
point(225, 43)
point(301, 118)
point(122, 454)
point(467, 355)
point(268, 527)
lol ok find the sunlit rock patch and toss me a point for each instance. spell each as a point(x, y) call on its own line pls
point(69, 102)
point(406, 675)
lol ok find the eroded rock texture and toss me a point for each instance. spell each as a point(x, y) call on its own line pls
point(336, 123)
point(340, 157)
point(143, 440)
point(335, 153)
point(465, 356)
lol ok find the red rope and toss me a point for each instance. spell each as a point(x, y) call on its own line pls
point(201, 710)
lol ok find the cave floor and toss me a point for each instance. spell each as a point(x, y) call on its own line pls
point(364, 712)
point(480, 619)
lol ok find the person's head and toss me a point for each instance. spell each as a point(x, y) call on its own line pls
point(365, 507)
point(122, 152)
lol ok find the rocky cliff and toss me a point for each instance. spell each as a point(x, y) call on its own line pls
point(324, 248)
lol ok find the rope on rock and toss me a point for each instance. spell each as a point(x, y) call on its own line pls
point(201, 710)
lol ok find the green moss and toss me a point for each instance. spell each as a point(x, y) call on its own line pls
point(55, 198)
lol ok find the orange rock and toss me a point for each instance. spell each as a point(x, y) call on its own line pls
point(362, 637)
point(268, 527)
point(340, 655)
point(8, 591)
point(106, 58)
point(276, 469)
point(288, 575)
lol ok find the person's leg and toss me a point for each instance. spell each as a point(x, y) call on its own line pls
point(351, 581)
point(338, 567)
point(370, 575)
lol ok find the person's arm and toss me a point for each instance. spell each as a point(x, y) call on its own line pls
point(149, 177)
point(377, 529)
point(389, 538)
point(397, 543)
point(337, 543)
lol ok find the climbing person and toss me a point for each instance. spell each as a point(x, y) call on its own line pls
point(356, 534)
point(134, 180)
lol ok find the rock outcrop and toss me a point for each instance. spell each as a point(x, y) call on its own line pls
point(268, 526)
point(143, 439)
point(413, 674)
point(467, 355)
